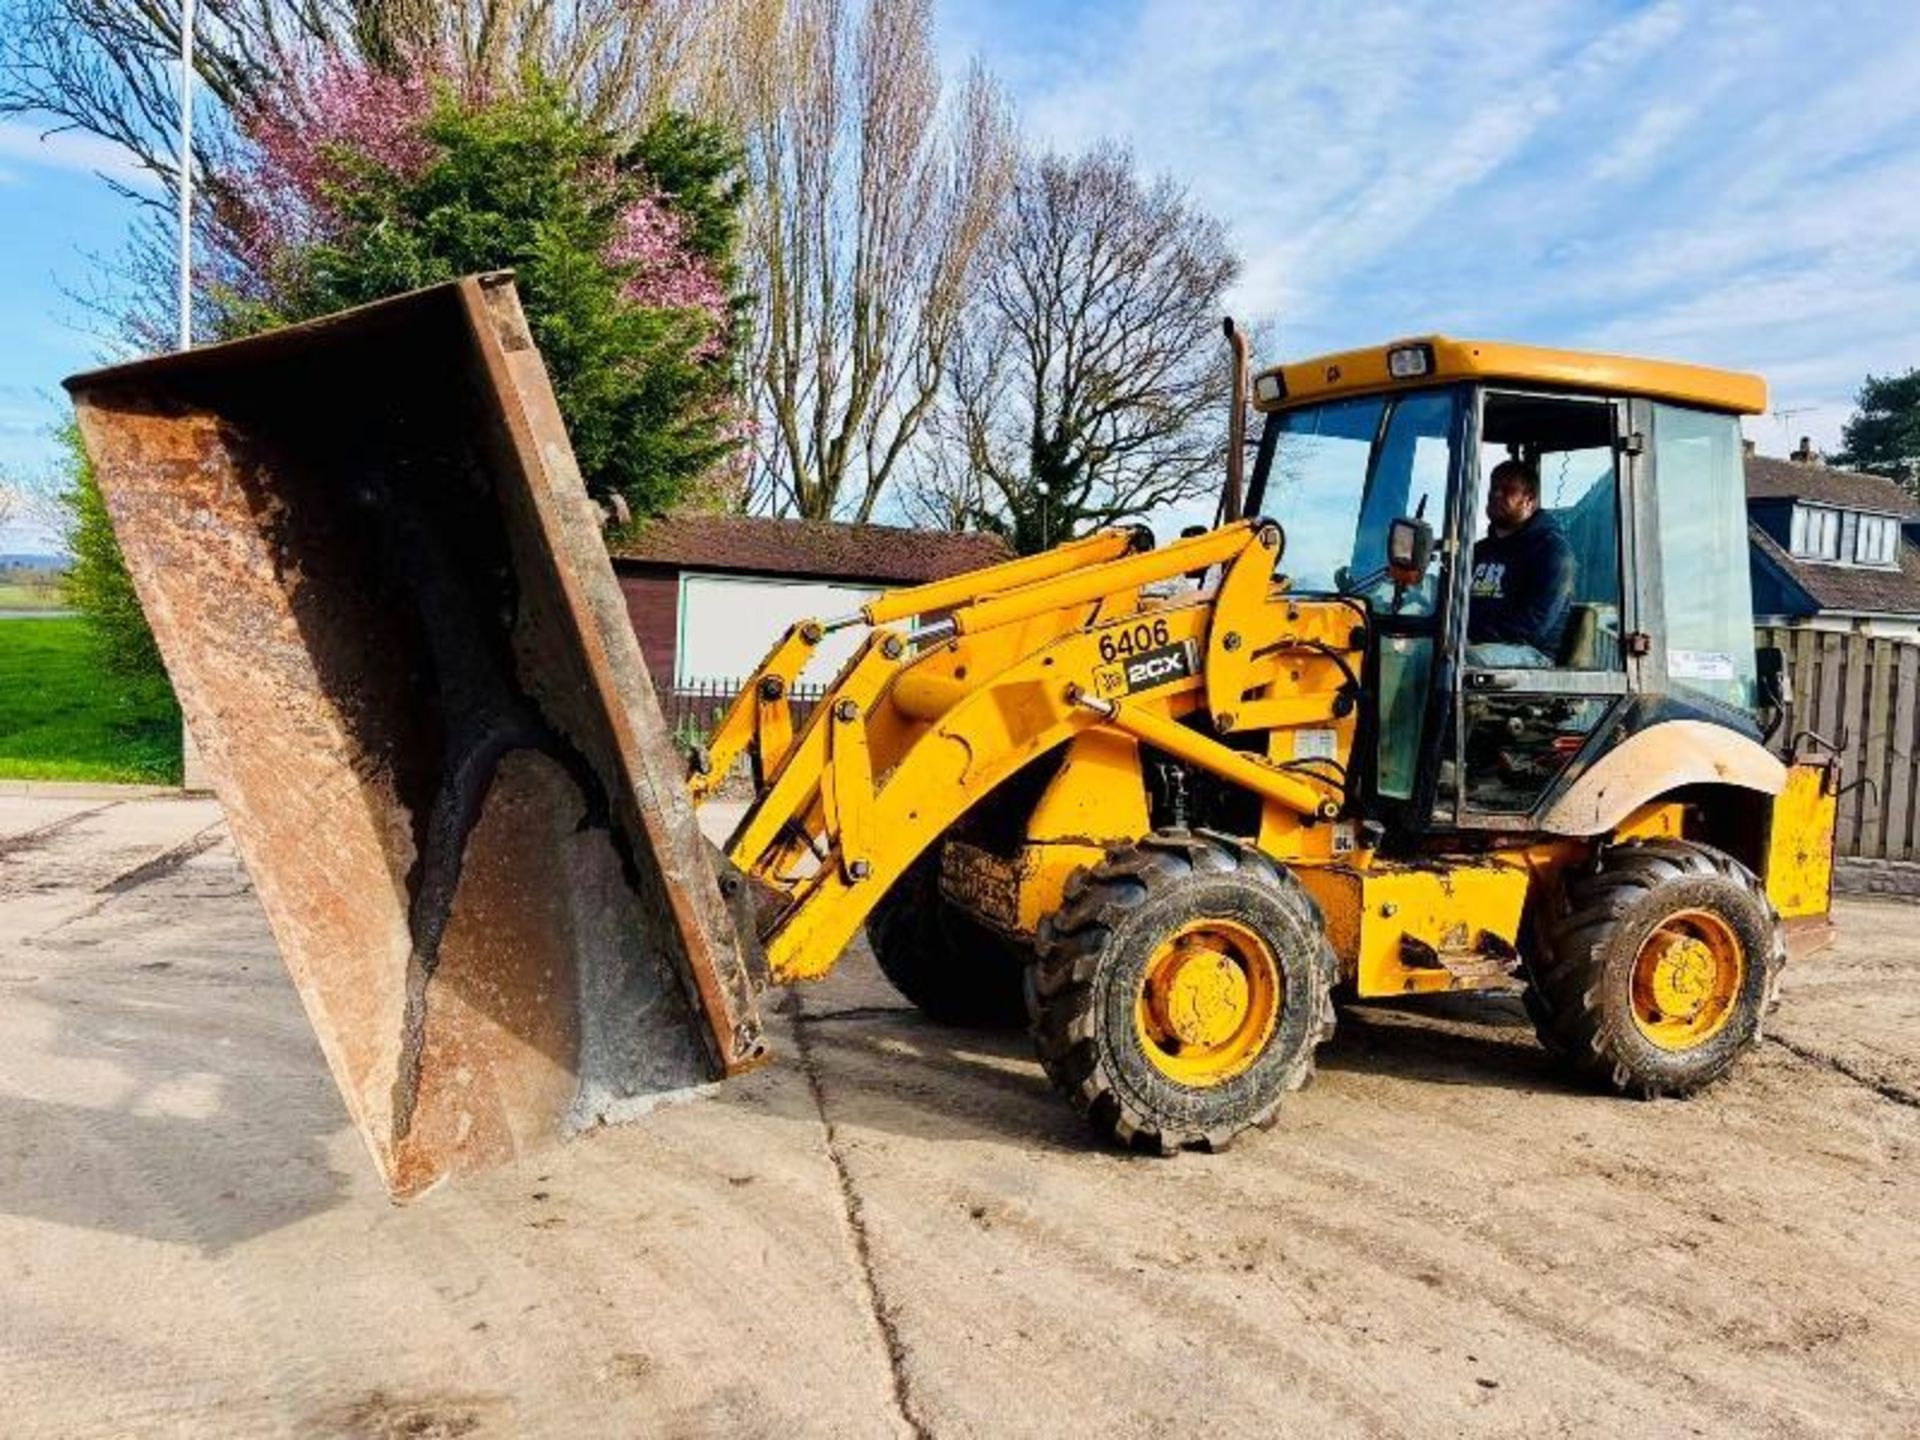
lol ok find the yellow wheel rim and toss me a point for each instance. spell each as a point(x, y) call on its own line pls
point(1687, 979)
point(1208, 1003)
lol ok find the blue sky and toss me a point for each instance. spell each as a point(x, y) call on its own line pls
point(55, 213)
point(1734, 184)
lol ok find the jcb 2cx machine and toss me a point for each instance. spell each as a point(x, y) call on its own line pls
point(1160, 804)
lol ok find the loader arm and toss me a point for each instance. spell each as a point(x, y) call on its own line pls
point(920, 727)
point(758, 723)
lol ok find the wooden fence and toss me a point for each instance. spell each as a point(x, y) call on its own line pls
point(1862, 695)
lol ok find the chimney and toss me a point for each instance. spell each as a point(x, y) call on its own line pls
point(1805, 454)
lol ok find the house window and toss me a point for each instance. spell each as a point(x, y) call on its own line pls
point(1844, 537)
point(1877, 542)
point(1816, 533)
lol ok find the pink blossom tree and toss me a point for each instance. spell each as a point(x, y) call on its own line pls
point(353, 182)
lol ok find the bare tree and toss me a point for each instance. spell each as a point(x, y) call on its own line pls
point(109, 67)
point(867, 205)
point(941, 489)
point(1090, 385)
point(32, 501)
point(870, 192)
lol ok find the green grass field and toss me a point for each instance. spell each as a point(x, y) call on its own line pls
point(62, 717)
point(16, 596)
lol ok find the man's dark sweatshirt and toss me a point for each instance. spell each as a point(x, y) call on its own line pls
point(1522, 587)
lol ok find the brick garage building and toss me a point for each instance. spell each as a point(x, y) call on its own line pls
point(708, 594)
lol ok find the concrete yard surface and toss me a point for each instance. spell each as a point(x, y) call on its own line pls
point(899, 1228)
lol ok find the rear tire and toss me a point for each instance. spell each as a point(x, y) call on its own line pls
point(1653, 971)
point(1180, 992)
point(953, 968)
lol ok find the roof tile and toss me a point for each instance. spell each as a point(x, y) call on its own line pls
point(890, 554)
point(1769, 478)
point(1850, 589)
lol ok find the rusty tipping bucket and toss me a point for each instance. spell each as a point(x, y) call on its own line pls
point(381, 592)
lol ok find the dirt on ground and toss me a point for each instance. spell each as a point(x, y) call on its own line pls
point(898, 1228)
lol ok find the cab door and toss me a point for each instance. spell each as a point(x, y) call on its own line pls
point(1695, 587)
point(1522, 714)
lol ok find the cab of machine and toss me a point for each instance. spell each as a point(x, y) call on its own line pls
point(1377, 464)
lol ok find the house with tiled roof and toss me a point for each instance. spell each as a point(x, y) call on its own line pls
point(1832, 549)
point(709, 594)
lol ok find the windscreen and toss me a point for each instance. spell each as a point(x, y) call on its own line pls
point(1341, 472)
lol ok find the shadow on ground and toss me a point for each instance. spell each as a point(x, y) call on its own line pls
point(885, 1067)
point(197, 1111)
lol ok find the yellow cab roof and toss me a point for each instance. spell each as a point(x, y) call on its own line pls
point(1362, 372)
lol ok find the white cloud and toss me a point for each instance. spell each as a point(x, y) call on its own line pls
point(1635, 151)
point(68, 150)
point(1334, 134)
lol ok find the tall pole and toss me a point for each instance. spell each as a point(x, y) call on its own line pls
point(193, 775)
point(186, 174)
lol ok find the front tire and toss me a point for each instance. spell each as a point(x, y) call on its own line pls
point(1180, 992)
point(956, 970)
point(1656, 967)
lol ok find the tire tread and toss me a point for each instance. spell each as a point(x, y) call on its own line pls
point(1575, 931)
point(1072, 943)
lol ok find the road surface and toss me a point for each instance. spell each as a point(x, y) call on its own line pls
point(899, 1229)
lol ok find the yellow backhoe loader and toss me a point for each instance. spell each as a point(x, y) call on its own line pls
point(1162, 804)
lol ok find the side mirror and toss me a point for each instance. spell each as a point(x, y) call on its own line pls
point(1409, 550)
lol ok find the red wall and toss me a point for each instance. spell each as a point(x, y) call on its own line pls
point(653, 604)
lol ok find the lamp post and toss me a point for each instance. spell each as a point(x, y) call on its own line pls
point(186, 174)
point(193, 777)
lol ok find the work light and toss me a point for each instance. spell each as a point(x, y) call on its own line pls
point(1408, 362)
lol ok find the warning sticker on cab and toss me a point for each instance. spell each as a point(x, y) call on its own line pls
point(1700, 665)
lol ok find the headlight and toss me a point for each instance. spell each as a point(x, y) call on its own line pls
point(1269, 389)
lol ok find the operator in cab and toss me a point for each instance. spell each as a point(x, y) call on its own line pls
point(1522, 577)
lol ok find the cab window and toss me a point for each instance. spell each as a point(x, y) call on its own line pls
point(1340, 474)
point(1544, 596)
point(1706, 593)
point(1409, 479)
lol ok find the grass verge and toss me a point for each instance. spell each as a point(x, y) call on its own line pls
point(64, 717)
point(15, 596)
